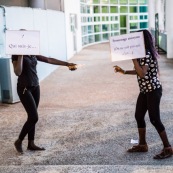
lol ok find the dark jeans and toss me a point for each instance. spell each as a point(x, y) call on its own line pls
point(149, 102)
point(29, 97)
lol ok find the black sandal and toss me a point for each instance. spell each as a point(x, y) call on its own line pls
point(165, 153)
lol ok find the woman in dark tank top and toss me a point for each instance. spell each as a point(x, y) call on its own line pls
point(28, 90)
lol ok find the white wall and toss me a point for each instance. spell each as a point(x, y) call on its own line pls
point(52, 31)
point(53, 39)
point(37, 4)
point(2, 35)
point(160, 11)
point(72, 7)
point(152, 11)
point(51, 25)
point(156, 6)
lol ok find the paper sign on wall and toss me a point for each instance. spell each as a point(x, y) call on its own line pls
point(127, 46)
point(22, 42)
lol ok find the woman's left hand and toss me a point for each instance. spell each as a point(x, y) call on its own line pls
point(119, 69)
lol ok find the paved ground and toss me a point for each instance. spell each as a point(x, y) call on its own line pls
point(87, 121)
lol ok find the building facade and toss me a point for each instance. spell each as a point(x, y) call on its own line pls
point(101, 19)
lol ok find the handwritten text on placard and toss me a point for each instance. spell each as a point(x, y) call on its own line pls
point(22, 42)
point(127, 46)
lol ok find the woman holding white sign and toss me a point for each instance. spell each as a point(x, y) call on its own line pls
point(29, 93)
point(149, 97)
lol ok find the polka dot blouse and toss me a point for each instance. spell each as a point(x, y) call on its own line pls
point(151, 81)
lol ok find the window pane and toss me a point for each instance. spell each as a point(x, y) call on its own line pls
point(105, 9)
point(96, 1)
point(123, 9)
point(84, 30)
point(114, 9)
point(84, 41)
point(113, 1)
point(133, 25)
point(96, 28)
point(123, 31)
point(133, 1)
point(133, 9)
point(96, 19)
point(143, 1)
point(105, 18)
point(133, 17)
point(91, 39)
point(88, 9)
point(143, 25)
point(105, 28)
point(90, 29)
point(114, 18)
point(123, 21)
point(83, 9)
point(141, 17)
point(89, 19)
point(83, 19)
point(123, 1)
point(145, 17)
point(114, 27)
point(143, 9)
point(96, 9)
point(114, 33)
point(104, 1)
point(97, 38)
point(105, 36)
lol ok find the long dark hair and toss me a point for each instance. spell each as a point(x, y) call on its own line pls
point(150, 43)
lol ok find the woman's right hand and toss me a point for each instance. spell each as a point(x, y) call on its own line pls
point(119, 69)
point(72, 66)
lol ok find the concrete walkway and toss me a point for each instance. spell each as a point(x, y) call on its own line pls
point(86, 121)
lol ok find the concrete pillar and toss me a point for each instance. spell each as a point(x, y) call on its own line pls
point(169, 28)
point(151, 14)
point(57, 5)
point(161, 11)
point(21, 3)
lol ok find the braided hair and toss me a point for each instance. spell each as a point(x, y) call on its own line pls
point(149, 43)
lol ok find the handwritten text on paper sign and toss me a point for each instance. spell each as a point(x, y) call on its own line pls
point(127, 46)
point(22, 42)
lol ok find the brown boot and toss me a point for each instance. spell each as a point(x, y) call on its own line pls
point(142, 136)
point(164, 139)
point(142, 146)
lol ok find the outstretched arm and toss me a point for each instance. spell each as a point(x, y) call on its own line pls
point(54, 61)
point(120, 70)
point(18, 65)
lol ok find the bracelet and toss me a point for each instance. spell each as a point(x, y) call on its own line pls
point(124, 71)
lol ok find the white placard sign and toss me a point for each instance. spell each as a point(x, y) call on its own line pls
point(22, 42)
point(127, 46)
